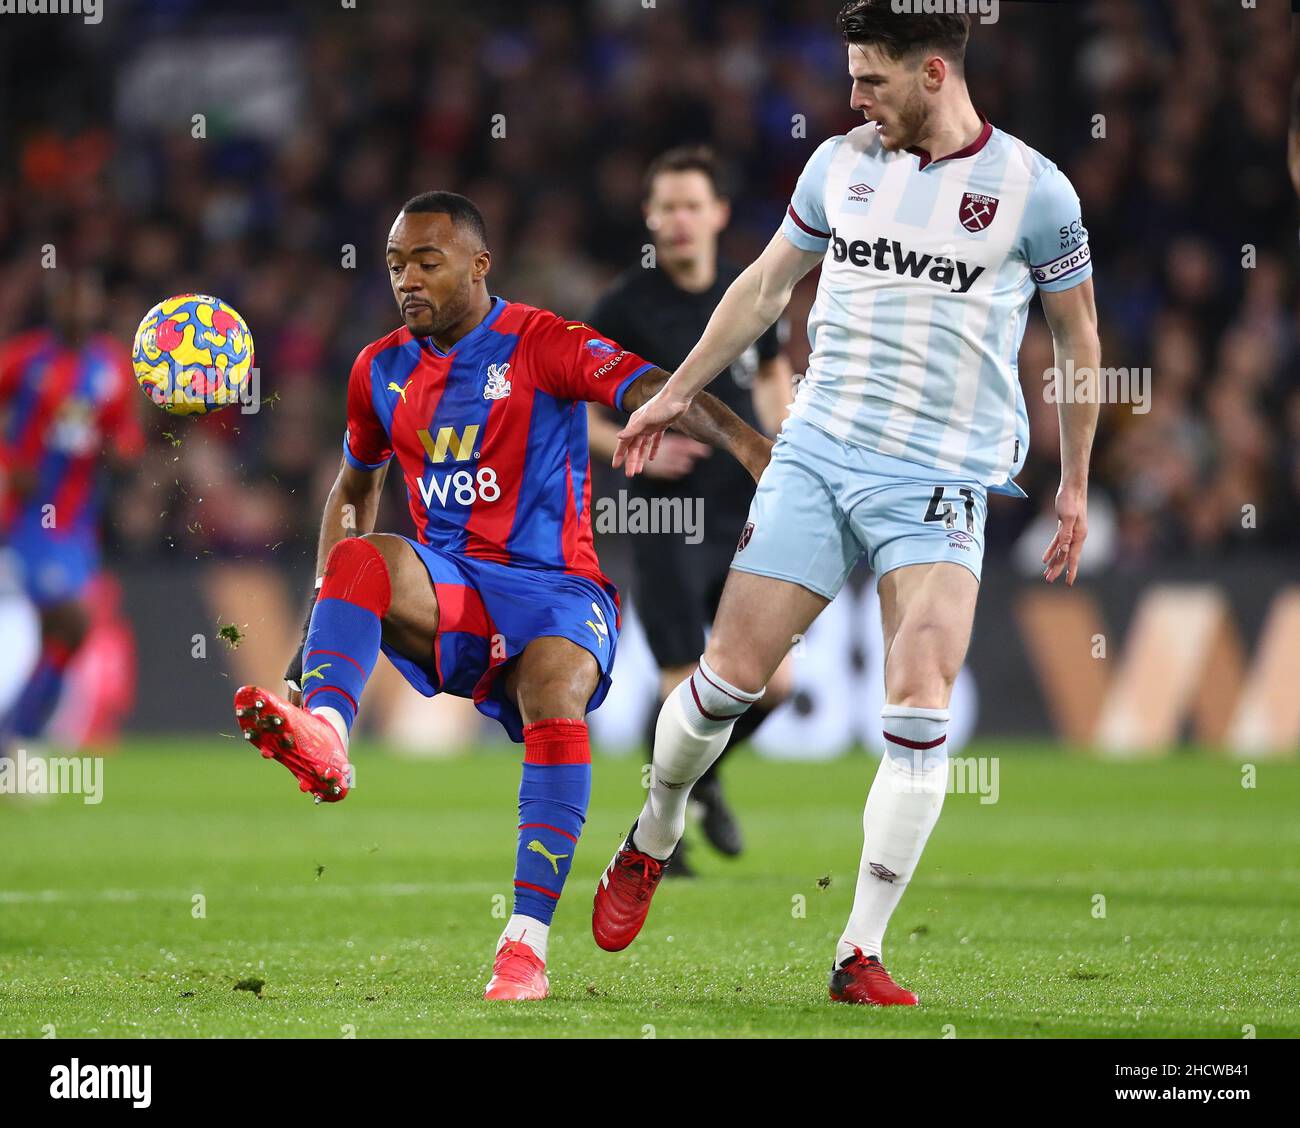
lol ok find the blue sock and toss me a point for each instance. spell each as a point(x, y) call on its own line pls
point(553, 797)
point(346, 628)
point(35, 706)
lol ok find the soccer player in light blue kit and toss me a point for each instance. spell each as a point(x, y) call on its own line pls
point(933, 230)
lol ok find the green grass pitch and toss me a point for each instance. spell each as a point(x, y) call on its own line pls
point(376, 917)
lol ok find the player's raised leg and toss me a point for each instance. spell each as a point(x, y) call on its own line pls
point(374, 589)
point(552, 682)
point(927, 611)
point(757, 622)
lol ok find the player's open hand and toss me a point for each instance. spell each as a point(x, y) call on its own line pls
point(639, 441)
point(1063, 553)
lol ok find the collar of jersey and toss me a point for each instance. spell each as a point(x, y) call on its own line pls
point(498, 306)
point(968, 151)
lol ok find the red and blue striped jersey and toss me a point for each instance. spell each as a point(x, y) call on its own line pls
point(492, 436)
point(60, 406)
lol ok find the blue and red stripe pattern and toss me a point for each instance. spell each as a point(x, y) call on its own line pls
point(491, 437)
point(60, 406)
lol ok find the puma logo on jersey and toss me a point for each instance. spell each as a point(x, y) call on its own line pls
point(401, 389)
point(555, 859)
point(890, 255)
point(498, 387)
point(318, 672)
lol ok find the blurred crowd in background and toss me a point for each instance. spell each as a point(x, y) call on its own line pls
point(321, 120)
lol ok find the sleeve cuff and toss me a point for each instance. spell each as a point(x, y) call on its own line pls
point(628, 382)
point(803, 239)
point(357, 464)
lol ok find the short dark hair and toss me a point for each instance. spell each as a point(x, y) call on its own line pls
point(687, 158)
point(461, 209)
point(901, 34)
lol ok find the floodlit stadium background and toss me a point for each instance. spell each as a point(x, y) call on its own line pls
point(1169, 116)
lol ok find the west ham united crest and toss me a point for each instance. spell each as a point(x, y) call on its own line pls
point(745, 534)
point(976, 212)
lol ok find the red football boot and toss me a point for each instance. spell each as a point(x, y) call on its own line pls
point(517, 973)
point(863, 979)
point(623, 896)
point(304, 743)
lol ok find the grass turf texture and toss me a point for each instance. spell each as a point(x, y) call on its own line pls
point(378, 914)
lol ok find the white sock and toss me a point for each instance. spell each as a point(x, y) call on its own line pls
point(902, 808)
point(528, 929)
point(694, 726)
point(335, 718)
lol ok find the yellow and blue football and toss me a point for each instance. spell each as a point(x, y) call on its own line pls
point(193, 354)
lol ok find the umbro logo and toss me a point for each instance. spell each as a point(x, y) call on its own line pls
point(858, 193)
point(883, 872)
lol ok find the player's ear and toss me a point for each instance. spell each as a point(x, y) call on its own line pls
point(482, 264)
point(935, 71)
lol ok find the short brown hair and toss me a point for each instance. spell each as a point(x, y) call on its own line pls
point(901, 34)
point(687, 158)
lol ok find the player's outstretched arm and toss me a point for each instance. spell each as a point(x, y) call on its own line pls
point(707, 420)
point(750, 306)
point(1072, 318)
point(350, 511)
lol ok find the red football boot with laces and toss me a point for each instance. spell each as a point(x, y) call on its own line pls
point(517, 973)
point(623, 896)
point(304, 743)
point(863, 979)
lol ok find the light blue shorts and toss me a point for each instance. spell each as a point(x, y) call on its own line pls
point(824, 503)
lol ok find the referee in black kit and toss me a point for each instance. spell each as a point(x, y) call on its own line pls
point(660, 313)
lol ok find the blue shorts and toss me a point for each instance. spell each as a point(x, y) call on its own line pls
point(823, 504)
point(55, 566)
point(488, 613)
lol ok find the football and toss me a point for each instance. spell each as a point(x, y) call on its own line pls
point(193, 354)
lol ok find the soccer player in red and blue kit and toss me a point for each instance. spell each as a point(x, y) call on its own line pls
point(500, 598)
point(66, 396)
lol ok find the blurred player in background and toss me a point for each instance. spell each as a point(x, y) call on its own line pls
point(660, 313)
point(67, 397)
point(501, 598)
point(20, 627)
point(933, 230)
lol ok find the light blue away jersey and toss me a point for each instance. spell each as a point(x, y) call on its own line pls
point(924, 294)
